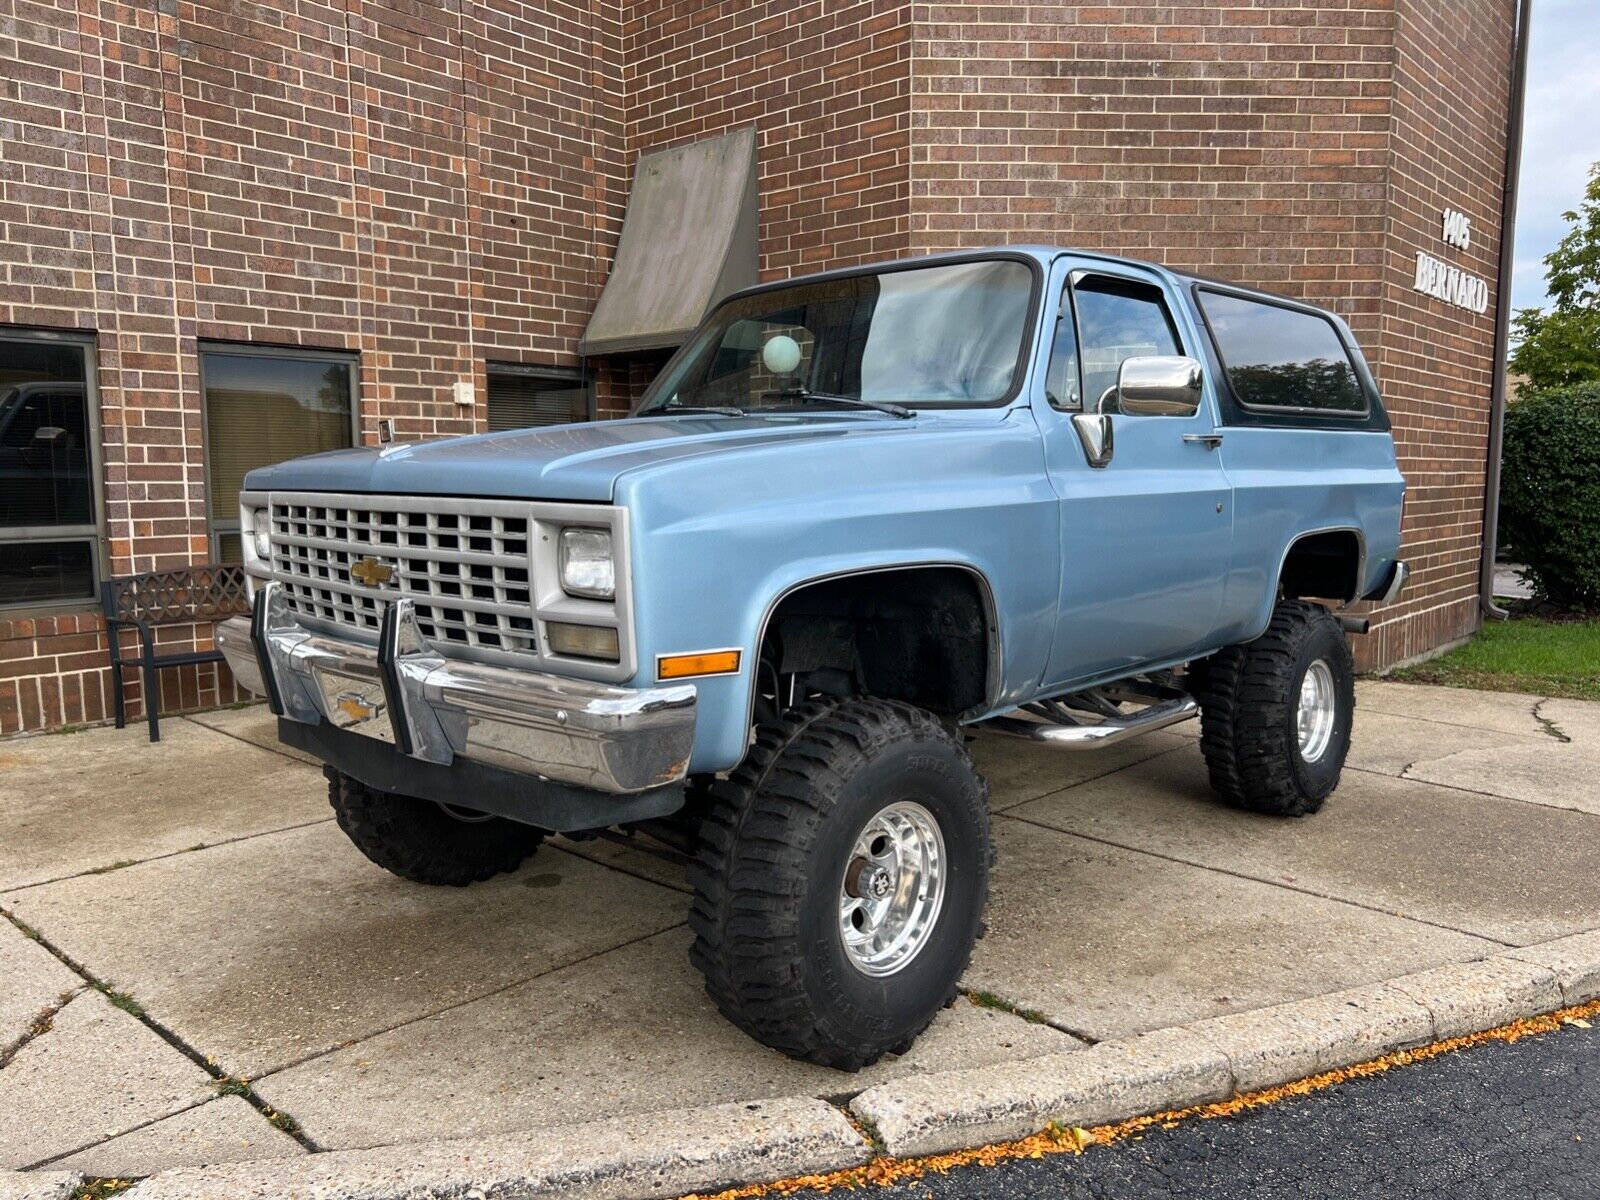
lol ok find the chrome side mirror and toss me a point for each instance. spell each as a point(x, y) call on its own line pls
point(1159, 385)
point(1095, 435)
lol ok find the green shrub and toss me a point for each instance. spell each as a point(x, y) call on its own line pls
point(1550, 493)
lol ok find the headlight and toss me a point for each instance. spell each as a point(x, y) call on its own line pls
point(586, 566)
point(263, 540)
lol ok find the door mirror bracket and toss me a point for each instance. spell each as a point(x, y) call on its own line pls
point(1095, 433)
point(1159, 385)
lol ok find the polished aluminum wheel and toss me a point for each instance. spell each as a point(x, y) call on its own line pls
point(1318, 711)
point(893, 889)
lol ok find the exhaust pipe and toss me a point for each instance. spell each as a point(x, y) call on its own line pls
point(1106, 733)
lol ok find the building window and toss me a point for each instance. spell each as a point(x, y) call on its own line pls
point(49, 514)
point(262, 407)
point(520, 396)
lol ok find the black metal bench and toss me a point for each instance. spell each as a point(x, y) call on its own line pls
point(181, 597)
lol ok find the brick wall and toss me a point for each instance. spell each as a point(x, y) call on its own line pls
point(431, 185)
point(1434, 361)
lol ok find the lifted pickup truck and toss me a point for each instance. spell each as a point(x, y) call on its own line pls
point(1053, 494)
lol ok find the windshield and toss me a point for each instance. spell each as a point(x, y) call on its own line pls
point(941, 335)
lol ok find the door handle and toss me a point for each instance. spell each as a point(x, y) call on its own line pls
point(1209, 440)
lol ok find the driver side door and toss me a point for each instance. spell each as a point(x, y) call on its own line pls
point(1147, 537)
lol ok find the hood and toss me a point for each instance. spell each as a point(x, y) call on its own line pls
point(564, 462)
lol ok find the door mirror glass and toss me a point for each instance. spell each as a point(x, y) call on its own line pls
point(1159, 385)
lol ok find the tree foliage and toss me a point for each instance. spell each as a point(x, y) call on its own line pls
point(1561, 347)
point(1550, 493)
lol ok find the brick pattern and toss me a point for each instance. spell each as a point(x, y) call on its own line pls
point(434, 185)
point(431, 185)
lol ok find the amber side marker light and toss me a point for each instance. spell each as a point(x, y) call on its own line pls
point(708, 662)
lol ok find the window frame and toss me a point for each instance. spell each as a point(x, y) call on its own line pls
point(1300, 410)
point(1077, 276)
point(93, 532)
point(215, 529)
point(574, 375)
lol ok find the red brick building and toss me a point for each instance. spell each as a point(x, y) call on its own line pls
point(209, 205)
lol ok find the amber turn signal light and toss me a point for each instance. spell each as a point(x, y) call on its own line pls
point(711, 662)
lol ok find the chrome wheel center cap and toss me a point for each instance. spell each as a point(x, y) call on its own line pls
point(878, 883)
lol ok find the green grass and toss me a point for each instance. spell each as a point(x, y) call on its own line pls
point(1525, 654)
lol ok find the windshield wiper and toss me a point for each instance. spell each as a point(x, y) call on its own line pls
point(712, 409)
point(801, 393)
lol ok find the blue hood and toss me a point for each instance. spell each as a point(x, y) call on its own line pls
point(565, 462)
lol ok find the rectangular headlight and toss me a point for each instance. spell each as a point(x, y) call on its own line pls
point(583, 641)
point(586, 565)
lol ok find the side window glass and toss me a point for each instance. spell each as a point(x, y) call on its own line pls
point(1277, 357)
point(1062, 386)
point(1118, 319)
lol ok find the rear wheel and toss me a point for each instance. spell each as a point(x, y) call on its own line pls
point(1276, 713)
point(427, 842)
point(841, 880)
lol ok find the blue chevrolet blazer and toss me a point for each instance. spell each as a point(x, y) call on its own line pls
point(859, 516)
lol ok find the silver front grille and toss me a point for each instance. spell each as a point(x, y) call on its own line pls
point(467, 565)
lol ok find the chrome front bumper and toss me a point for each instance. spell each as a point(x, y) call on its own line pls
point(572, 731)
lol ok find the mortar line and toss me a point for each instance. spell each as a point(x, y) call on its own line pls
point(160, 1030)
point(1288, 887)
point(139, 862)
point(439, 1012)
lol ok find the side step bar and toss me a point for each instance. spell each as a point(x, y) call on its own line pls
point(1105, 733)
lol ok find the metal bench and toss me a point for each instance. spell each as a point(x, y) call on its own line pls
point(181, 597)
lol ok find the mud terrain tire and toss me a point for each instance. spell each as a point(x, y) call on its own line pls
point(418, 840)
point(1250, 708)
point(780, 843)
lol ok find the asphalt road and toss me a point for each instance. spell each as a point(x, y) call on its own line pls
point(1495, 1121)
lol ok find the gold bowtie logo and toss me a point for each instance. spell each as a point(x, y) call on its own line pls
point(371, 572)
point(355, 708)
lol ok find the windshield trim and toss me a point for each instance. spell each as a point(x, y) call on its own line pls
point(1024, 351)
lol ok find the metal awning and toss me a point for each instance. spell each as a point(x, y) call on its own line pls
point(689, 238)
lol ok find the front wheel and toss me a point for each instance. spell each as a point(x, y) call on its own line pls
point(841, 881)
point(1276, 713)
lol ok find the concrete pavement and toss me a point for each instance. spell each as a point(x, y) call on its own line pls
point(202, 883)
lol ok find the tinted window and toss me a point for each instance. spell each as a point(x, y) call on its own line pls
point(262, 409)
point(48, 532)
point(1118, 319)
point(1279, 357)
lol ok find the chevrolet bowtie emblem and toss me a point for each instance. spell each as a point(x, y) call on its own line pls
point(353, 707)
point(371, 571)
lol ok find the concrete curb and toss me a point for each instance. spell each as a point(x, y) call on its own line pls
point(1210, 1060)
point(634, 1158)
point(654, 1155)
point(38, 1185)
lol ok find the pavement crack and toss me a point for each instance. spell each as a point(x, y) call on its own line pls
point(997, 1003)
point(134, 1009)
point(1277, 883)
point(38, 1027)
point(124, 864)
point(1546, 724)
point(439, 1012)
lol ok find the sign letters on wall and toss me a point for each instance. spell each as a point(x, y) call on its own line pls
point(1451, 284)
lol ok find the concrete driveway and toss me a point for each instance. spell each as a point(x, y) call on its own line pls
point(208, 951)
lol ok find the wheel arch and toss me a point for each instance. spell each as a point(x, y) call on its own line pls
point(1329, 562)
point(983, 588)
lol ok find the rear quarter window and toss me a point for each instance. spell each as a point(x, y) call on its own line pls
point(1282, 358)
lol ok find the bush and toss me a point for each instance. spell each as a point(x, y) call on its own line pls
point(1550, 493)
